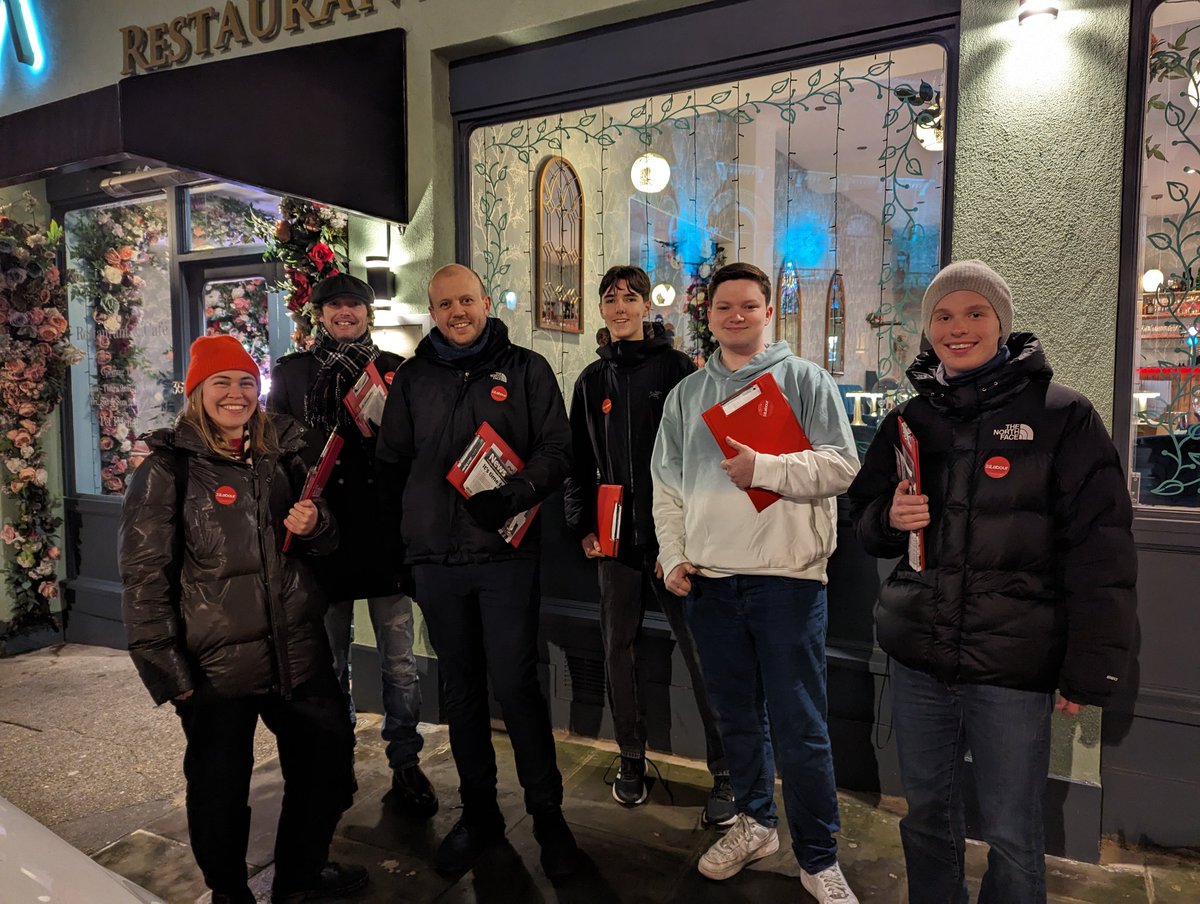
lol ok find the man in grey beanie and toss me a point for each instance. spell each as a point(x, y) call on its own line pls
point(1025, 586)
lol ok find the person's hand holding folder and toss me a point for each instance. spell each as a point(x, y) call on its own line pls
point(908, 512)
point(740, 467)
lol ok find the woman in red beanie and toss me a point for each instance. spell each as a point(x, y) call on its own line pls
point(226, 626)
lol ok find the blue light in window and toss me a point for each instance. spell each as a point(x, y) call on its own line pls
point(805, 242)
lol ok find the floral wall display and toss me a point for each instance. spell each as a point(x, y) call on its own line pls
point(110, 253)
point(238, 308)
point(35, 353)
point(221, 222)
point(310, 240)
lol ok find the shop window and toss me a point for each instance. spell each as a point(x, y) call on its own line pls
point(120, 313)
point(1165, 459)
point(828, 177)
point(241, 308)
point(559, 220)
point(219, 215)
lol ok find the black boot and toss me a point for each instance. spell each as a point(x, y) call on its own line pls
point(481, 825)
point(413, 793)
point(630, 787)
point(336, 880)
point(559, 850)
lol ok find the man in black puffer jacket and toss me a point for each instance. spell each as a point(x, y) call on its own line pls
point(479, 594)
point(1027, 586)
point(615, 412)
point(311, 386)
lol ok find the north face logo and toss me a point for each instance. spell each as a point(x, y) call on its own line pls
point(1014, 432)
point(499, 377)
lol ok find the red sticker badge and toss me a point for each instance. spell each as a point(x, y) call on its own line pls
point(499, 393)
point(997, 467)
point(225, 495)
point(387, 377)
point(606, 406)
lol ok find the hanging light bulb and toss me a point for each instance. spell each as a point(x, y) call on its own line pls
point(1152, 280)
point(650, 173)
point(663, 295)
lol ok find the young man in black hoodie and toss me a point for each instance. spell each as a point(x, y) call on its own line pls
point(1027, 585)
point(615, 412)
point(478, 593)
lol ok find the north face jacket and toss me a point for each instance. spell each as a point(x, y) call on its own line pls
point(228, 613)
point(1030, 564)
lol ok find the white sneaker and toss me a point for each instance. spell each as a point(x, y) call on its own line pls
point(828, 886)
point(745, 842)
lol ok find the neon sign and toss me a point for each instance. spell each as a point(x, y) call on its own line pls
point(20, 28)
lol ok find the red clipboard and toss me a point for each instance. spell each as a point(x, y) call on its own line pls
point(366, 399)
point(485, 464)
point(757, 415)
point(908, 467)
point(318, 475)
point(609, 509)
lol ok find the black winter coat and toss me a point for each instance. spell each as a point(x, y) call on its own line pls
point(632, 379)
point(1030, 564)
point(361, 566)
point(232, 615)
point(433, 410)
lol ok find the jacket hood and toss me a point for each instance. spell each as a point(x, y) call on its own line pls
point(185, 436)
point(1026, 363)
point(752, 369)
point(654, 340)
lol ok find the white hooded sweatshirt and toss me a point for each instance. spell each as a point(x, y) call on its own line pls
point(702, 518)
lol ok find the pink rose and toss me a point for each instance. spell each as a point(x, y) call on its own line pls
point(47, 333)
point(37, 315)
point(114, 484)
point(53, 553)
point(8, 534)
point(48, 589)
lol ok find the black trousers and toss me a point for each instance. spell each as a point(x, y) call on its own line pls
point(483, 622)
point(625, 590)
point(316, 756)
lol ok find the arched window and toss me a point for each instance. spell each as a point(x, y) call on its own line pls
point(559, 224)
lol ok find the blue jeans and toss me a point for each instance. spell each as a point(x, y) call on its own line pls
point(762, 645)
point(1008, 734)
point(392, 619)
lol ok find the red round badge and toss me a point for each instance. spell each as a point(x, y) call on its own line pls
point(997, 467)
point(499, 393)
point(606, 406)
point(225, 495)
point(387, 377)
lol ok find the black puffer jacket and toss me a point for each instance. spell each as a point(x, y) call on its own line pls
point(1030, 564)
point(632, 380)
point(234, 616)
point(361, 565)
point(433, 410)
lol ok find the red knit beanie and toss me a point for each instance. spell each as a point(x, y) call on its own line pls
point(213, 354)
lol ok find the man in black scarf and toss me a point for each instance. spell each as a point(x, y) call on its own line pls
point(311, 386)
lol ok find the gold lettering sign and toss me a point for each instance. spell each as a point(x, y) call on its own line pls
point(147, 48)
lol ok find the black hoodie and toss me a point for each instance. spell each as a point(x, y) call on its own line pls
point(1030, 565)
point(615, 411)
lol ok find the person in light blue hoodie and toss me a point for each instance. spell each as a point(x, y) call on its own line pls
point(754, 582)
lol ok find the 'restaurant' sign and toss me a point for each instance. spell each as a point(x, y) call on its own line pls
point(210, 30)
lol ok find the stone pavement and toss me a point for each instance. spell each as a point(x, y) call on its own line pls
point(85, 751)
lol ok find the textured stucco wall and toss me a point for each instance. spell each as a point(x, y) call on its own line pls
point(1038, 174)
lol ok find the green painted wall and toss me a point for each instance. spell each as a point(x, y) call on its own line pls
point(1038, 170)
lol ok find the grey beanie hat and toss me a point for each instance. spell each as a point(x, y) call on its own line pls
point(974, 276)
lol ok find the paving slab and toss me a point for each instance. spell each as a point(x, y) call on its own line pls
point(160, 865)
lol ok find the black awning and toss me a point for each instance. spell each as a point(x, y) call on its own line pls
point(324, 121)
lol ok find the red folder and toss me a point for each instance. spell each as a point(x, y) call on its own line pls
point(608, 517)
point(908, 467)
point(366, 399)
point(318, 475)
point(759, 416)
point(486, 464)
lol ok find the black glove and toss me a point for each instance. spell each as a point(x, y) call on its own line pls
point(490, 509)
